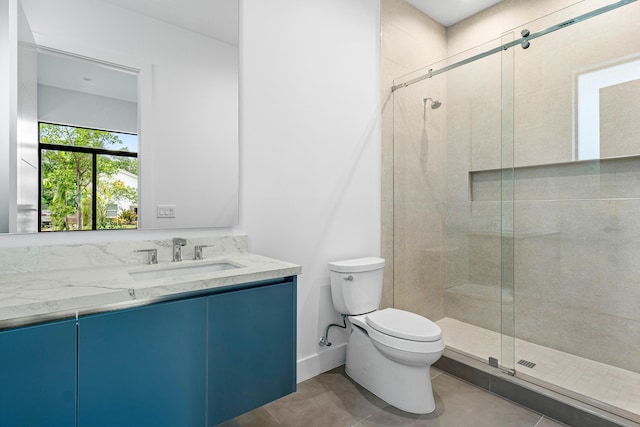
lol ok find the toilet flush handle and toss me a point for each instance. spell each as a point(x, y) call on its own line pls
point(348, 278)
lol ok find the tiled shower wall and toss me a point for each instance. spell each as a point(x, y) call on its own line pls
point(576, 234)
point(413, 176)
point(576, 224)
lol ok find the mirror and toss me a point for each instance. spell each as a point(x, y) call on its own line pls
point(186, 66)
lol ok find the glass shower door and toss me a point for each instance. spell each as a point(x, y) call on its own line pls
point(508, 231)
point(516, 188)
point(451, 227)
point(577, 167)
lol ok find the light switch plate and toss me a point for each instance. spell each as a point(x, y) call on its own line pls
point(166, 211)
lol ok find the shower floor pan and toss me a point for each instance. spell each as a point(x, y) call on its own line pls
point(617, 389)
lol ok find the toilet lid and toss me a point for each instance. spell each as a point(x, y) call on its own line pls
point(403, 324)
point(357, 265)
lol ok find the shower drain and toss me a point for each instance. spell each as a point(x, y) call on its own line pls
point(526, 363)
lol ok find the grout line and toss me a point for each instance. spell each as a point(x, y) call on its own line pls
point(271, 415)
point(437, 374)
point(544, 417)
point(583, 199)
point(539, 421)
point(360, 421)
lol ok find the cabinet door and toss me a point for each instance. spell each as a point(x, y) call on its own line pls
point(143, 367)
point(38, 375)
point(251, 349)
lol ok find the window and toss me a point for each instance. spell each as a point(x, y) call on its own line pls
point(620, 117)
point(88, 179)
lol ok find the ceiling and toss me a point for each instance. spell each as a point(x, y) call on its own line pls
point(452, 11)
point(78, 75)
point(217, 19)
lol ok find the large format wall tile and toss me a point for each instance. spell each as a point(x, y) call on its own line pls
point(579, 277)
point(575, 224)
point(587, 333)
point(413, 170)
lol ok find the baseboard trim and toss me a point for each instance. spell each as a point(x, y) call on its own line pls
point(328, 359)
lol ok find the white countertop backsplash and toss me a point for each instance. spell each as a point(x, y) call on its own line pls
point(46, 283)
point(34, 259)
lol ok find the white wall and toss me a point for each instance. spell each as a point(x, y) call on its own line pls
point(18, 130)
point(310, 152)
point(28, 177)
point(57, 105)
point(5, 116)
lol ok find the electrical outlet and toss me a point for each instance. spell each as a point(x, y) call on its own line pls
point(166, 211)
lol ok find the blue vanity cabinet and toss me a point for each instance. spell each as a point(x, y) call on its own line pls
point(38, 375)
point(143, 366)
point(251, 348)
point(193, 362)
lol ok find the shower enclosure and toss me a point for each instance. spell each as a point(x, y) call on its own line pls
point(516, 201)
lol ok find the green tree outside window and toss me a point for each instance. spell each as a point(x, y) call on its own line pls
point(68, 187)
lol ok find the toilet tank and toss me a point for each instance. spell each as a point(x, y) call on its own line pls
point(356, 285)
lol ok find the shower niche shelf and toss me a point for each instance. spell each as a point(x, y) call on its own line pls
point(515, 235)
point(611, 178)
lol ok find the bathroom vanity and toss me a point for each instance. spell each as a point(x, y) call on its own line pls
point(189, 349)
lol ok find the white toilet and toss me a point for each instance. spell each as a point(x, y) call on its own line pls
point(389, 351)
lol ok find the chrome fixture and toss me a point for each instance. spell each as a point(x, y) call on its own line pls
point(153, 255)
point(525, 42)
point(434, 104)
point(324, 340)
point(198, 251)
point(178, 243)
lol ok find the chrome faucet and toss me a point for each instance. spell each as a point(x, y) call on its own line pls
point(198, 251)
point(178, 243)
point(152, 257)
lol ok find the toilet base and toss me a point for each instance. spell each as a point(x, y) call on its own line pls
point(404, 386)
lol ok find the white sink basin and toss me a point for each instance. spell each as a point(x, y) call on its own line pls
point(181, 271)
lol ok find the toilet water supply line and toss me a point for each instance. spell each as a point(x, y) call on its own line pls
point(324, 340)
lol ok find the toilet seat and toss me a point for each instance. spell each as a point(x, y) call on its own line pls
point(404, 324)
point(395, 342)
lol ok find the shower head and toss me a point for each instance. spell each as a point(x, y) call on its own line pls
point(434, 104)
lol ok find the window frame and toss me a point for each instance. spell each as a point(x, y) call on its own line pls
point(95, 152)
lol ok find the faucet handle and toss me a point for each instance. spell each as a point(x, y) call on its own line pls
point(153, 255)
point(198, 251)
point(179, 241)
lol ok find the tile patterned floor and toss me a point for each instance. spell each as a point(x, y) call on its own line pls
point(608, 384)
point(332, 399)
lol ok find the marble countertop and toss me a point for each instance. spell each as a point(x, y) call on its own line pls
point(40, 296)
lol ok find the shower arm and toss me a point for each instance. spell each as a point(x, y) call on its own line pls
point(435, 104)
